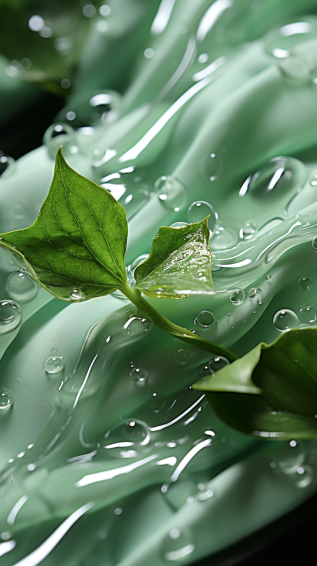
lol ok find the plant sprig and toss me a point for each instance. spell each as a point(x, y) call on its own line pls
point(75, 249)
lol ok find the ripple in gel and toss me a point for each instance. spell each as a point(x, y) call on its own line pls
point(177, 545)
point(139, 376)
point(20, 286)
point(54, 364)
point(285, 319)
point(204, 319)
point(198, 212)
point(308, 314)
point(60, 134)
point(171, 193)
point(277, 177)
point(10, 316)
point(237, 297)
point(5, 401)
point(305, 283)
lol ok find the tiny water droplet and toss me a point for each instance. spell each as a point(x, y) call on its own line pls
point(268, 277)
point(57, 135)
point(303, 476)
point(308, 314)
point(205, 494)
point(7, 165)
point(247, 230)
point(179, 225)
point(177, 544)
point(6, 401)
point(77, 295)
point(139, 376)
point(199, 210)
point(171, 193)
point(285, 319)
point(54, 364)
point(20, 286)
point(237, 297)
point(10, 316)
point(305, 283)
point(211, 167)
point(182, 357)
point(204, 319)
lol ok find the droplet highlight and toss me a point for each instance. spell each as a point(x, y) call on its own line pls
point(285, 319)
point(20, 286)
point(54, 365)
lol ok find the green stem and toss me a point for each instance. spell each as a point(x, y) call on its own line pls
point(173, 329)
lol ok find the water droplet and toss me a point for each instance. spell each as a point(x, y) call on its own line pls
point(211, 167)
point(314, 243)
point(179, 225)
point(138, 325)
point(135, 431)
point(305, 283)
point(7, 165)
point(157, 402)
point(217, 363)
point(237, 297)
point(148, 53)
point(182, 357)
point(205, 494)
point(177, 545)
point(89, 10)
point(308, 314)
point(303, 476)
point(291, 456)
point(6, 536)
point(297, 68)
point(20, 286)
point(199, 210)
point(223, 239)
point(105, 10)
point(247, 230)
point(268, 277)
point(54, 364)
point(57, 135)
point(171, 193)
point(139, 376)
point(132, 202)
point(203, 58)
point(279, 177)
point(118, 511)
point(5, 401)
point(77, 295)
point(101, 107)
point(204, 319)
point(10, 316)
point(36, 23)
point(285, 319)
point(205, 371)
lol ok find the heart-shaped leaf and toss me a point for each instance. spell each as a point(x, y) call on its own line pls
point(271, 391)
point(179, 264)
point(75, 248)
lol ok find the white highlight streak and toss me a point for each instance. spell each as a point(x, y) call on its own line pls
point(211, 16)
point(189, 456)
point(109, 474)
point(7, 546)
point(160, 427)
point(85, 380)
point(162, 16)
point(210, 69)
point(14, 511)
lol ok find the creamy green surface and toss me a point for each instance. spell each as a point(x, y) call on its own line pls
point(107, 456)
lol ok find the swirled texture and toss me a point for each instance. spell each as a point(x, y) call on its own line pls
point(108, 457)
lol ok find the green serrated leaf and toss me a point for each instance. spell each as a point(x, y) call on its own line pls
point(272, 390)
point(75, 248)
point(179, 264)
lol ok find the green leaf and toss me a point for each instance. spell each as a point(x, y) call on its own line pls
point(179, 264)
point(271, 391)
point(75, 248)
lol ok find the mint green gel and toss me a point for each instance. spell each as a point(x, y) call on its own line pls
point(108, 457)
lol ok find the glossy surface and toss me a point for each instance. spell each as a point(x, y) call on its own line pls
point(113, 459)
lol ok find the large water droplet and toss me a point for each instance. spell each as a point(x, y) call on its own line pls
point(7, 165)
point(308, 314)
point(223, 238)
point(237, 297)
point(177, 544)
point(157, 403)
point(182, 357)
point(204, 319)
point(211, 167)
point(217, 363)
point(305, 283)
point(57, 135)
point(279, 177)
point(297, 68)
point(285, 319)
point(20, 286)
point(139, 376)
point(6, 401)
point(256, 294)
point(10, 316)
point(54, 364)
point(199, 210)
point(171, 193)
point(137, 325)
point(136, 431)
point(77, 295)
